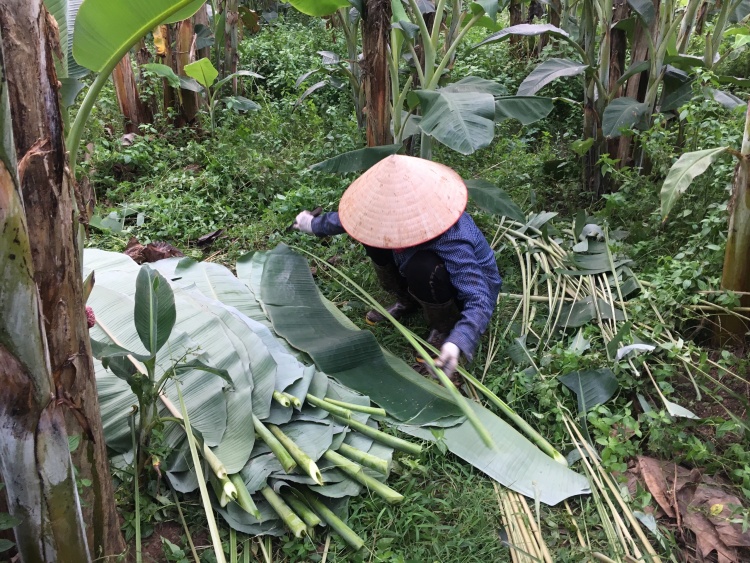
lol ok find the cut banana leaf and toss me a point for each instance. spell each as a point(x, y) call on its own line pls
point(298, 313)
point(592, 387)
point(269, 523)
point(353, 357)
point(516, 463)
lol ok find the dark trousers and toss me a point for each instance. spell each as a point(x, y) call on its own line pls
point(424, 275)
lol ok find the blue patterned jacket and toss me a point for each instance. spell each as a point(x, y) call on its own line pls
point(471, 266)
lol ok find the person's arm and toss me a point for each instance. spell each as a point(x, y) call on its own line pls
point(473, 290)
point(327, 224)
point(323, 225)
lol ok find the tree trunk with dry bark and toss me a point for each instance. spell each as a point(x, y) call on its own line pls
point(49, 194)
point(231, 55)
point(736, 272)
point(636, 86)
point(128, 97)
point(184, 55)
point(376, 25)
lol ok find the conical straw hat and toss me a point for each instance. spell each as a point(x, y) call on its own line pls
point(402, 201)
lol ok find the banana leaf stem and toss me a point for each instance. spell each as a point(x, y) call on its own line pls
point(282, 399)
point(374, 411)
point(224, 489)
point(296, 403)
point(232, 545)
point(211, 521)
point(243, 496)
point(346, 533)
point(304, 511)
point(356, 472)
point(458, 399)
point(386, 439)
point(285, 459)
point(303, 460)
point(329, 407)
point(137, 493)
point(213, 461)
point(292, 521)
point(363, 458)
point(522, 425)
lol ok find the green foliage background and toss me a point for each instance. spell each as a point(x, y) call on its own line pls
point(252, 178)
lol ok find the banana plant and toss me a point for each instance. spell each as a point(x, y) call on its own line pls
point(154, 316)
point(104, 31)
point(736, 272)
point(346, 19)
point(605, 114)
point(206, 74)
point(461, 115)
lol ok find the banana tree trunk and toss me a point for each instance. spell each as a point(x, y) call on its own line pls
point(686, 27)
point(40, 402)
point(618, 51)
point(555, 12)
point(592, 177)
point(637, 84)
point(170, 98)
point(128, 98)
point(376, 25)
point(736, 276)
point(201, 17)
point(351, 34)
point(231, 56)
point(183, 56)
point(515, 9)
point(148, 100)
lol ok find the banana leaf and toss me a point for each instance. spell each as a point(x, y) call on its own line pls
point(211, 325)
point(299, 314)
point(222, 416)
point(516, 464)
point(351, 356)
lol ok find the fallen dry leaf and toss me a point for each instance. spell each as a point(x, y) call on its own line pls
point(656, 483)
point(698, 503)
point(152, 252)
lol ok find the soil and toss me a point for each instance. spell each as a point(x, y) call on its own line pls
point(153, 550)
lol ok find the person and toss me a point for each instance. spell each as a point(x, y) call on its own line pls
point(409, 214)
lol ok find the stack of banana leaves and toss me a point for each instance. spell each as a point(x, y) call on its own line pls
point(279, 386)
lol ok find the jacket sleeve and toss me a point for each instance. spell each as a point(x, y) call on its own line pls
point(474, 292)
point(327, 224)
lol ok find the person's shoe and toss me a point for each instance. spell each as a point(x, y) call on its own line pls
point(441, 318)
point(398, 310)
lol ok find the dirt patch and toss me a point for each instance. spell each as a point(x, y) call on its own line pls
point(153, 546)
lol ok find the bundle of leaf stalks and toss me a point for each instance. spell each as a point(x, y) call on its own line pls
point(570, 279)
point(281, 445)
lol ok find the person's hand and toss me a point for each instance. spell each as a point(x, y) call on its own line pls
point(303, 222)
point(448, 358)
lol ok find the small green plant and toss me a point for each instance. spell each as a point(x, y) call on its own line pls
point(6, 523)
point(173, 553)
point(154, 315)
point(206, 74)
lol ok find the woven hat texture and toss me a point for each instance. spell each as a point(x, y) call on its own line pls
point(402, 201)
